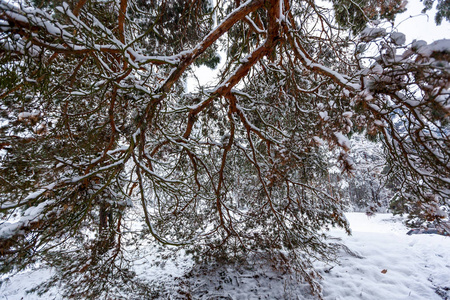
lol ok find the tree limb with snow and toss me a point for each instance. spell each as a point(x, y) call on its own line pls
point(99, 131)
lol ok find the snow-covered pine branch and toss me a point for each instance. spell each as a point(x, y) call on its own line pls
point(103, 145)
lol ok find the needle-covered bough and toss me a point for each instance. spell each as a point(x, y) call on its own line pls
point(100, 132)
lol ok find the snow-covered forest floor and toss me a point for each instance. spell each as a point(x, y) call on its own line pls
point(382, 262)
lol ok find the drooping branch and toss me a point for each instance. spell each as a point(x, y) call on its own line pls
point(188, 57)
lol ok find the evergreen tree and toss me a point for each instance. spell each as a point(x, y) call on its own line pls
point(97, 125)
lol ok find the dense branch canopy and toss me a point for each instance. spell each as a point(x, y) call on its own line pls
point(97, 120)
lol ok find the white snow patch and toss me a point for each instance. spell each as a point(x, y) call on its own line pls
point(342, 140)
point(324, 115)
point(369, 33)
point(414, 267)
point(437, 46)
point(398, 38)
point(347, 114)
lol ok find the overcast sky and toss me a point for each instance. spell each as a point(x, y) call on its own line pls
point(421, 26)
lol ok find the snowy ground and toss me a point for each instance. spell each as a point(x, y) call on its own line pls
point(393, 266)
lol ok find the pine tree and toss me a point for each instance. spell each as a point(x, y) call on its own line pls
point(97, 126)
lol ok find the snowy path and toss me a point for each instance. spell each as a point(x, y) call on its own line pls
point(415, 267)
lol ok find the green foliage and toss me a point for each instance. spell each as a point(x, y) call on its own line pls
point(442, 7)
point(210, 58)
point(356, 14)
point(102, 148)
